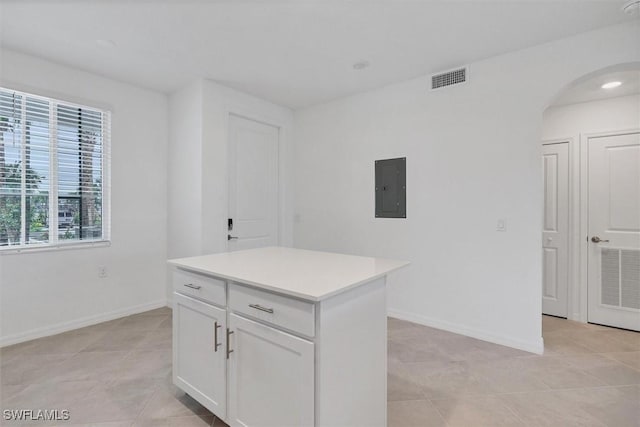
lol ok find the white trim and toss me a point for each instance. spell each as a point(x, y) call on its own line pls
point(610, 133)
point(556, 141)
point(45, 247)
point(46, 94)
point(105, 215)
point(584, 223)
point(536, 347)
point(79, 323)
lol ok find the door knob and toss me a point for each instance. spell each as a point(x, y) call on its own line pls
point(596, 239)
point(230, 237)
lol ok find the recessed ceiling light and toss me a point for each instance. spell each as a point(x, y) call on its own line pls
point(361, 65)
point(611, 85)
point(105, 43)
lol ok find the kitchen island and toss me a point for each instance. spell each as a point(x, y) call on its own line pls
point(283, 337)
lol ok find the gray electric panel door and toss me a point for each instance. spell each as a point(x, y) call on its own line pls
point(391, 188)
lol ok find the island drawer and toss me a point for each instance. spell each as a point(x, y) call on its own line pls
point(286, 312)
point(199, 286)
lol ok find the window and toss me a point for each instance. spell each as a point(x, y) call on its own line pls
point(54, 182)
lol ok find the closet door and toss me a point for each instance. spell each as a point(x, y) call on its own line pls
point(555, 232)
point(614, 230)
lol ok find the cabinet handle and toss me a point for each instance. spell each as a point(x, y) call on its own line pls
point(229, 351)
point(261, 308)
point(215, 337)
point(196, 287)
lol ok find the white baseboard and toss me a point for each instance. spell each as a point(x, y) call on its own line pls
point(79, 323)
point(536, 347)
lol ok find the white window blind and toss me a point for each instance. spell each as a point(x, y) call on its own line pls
point(54, 172)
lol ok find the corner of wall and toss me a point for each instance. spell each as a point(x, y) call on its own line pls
point(7, 340)
point(533, 346)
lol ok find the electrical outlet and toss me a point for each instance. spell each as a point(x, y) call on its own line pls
point(102, 271)
point(501, 225)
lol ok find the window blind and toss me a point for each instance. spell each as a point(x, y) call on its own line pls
point(54, 172)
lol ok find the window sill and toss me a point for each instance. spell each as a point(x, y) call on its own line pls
point(59, 247)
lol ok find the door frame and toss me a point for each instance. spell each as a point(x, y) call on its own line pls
point(283, 143)
point(583, 236)
point(572, 292)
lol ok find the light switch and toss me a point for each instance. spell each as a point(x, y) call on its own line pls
point(502, 225)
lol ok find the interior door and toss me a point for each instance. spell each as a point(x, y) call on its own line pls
point(253, 184)
point(199, 363)
point(271, 376)
point(614, 230)
point(555, 233)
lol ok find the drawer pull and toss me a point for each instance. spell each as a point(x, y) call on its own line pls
point(261, 308)
point(229, 351)
point(215, 337)
point(196, 287)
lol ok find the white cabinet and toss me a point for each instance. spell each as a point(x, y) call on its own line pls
point(199, 357)
point(270, 372)
point(283, 312)
point(301, 337)
point(199, 286)
point(271, 376)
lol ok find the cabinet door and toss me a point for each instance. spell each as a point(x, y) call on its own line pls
point(271, 376)
point(199, 366)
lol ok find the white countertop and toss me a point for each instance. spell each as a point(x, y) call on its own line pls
point(309, 275)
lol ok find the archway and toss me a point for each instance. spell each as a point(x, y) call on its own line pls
point(602, 103)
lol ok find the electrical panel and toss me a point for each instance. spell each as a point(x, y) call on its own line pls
point(391, 188)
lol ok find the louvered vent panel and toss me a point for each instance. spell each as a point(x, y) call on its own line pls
point(449, 78)
point(610, 259)
point(630, 278)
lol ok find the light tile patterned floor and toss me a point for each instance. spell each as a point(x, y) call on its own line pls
point(118, 374)
point(588, 376)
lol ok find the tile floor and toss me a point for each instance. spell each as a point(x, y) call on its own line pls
point(118, 374)
point(588, 376)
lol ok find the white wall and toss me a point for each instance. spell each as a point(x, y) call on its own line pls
point(185, 172)
point(473, 156)
point(47, 292)
point(198, 183)
point(571, 123)
point(608, 115)
point(218, 102)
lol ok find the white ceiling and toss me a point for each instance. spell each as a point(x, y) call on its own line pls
point(291, 52)
point(591, 88)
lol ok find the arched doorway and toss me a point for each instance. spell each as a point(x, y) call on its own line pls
point(591, 180)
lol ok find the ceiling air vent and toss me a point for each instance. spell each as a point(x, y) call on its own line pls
point(449, 78)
